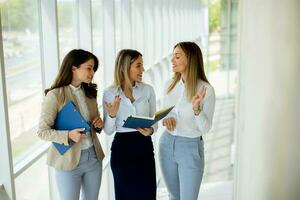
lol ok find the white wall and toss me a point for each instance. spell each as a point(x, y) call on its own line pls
point(268, 132)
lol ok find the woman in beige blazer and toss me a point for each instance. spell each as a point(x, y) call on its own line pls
point(81, 165)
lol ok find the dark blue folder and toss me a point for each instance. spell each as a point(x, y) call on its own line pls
point(146, 122)
point(69, 118)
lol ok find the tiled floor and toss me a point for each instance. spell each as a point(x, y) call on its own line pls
point(217, 179)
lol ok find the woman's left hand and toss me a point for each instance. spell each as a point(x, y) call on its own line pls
point(198, 98)
point(146, 131)
point(98, 122)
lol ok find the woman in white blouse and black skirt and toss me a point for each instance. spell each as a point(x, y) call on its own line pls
point(181, 150)
point(132, 157)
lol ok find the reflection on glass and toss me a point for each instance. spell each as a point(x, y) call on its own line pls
point(33, 184)
point(66, 26)
point(23, 72)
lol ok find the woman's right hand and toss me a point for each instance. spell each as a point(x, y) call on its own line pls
point(113, 108)
point(76, 134)
point(170, 123)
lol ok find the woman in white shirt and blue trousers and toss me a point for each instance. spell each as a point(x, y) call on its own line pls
point(132, 157)
point(181, 151)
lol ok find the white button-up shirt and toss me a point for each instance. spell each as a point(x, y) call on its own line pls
point(144, 105)
point(80, 97)
point(187, 123)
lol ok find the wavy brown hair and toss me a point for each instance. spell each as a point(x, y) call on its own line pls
point(75, 58)
point(194, 69)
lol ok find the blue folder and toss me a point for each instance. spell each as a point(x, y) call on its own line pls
point(69, 118)
point(135, 122)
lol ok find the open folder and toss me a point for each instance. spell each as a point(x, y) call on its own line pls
point(69, 118)
point(146, 122)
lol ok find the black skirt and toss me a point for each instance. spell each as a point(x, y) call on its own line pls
point(133, 167)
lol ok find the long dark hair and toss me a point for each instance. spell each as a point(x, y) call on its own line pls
point(194, 70)
point(64, 77)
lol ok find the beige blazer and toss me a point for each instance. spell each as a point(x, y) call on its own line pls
point(53, 102)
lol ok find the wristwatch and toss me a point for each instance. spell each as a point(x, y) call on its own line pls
point(152, 131)
point(197, 112)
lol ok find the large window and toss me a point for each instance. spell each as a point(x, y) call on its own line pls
point(23, 72)
point(222, 57)
point(33, 183)
point(68, 34)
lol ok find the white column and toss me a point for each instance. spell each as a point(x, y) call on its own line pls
point(49, 45)
point(157, 31)
point(84, 24)
point(172, 25)
point(148, 34)
point(126, 24)
point(48, 41)
point(268, 156)
point(177, 22)
point(203, 25)
point(109, 41)
point(6, 166)
point(166, 39)
point(138, 40)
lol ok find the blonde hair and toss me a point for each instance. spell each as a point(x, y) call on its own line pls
point(124, 59)
point(194, 69)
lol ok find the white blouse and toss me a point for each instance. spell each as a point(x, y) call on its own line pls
point(144, 105)
point(187, 123)
point(80, 97)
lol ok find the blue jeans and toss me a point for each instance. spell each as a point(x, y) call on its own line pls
point(182, 164)
point(87, 175)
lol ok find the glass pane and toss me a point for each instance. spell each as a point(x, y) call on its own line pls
point(33, 184)
point(222, 56)
point(67, 26)
point(23, 72)
point(223, 77)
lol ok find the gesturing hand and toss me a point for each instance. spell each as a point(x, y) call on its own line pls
point(113, 108)
point(170, 123)
point(197, 99)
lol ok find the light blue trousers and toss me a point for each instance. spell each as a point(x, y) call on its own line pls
point(182, 164)
point(87, 175)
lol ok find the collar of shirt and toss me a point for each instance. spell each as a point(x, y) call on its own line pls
point(181, 82)
point(137, 84)
point(74, 89)
point(137, 91)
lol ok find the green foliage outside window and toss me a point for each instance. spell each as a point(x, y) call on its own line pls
point(17, 15)
point(214, 15)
